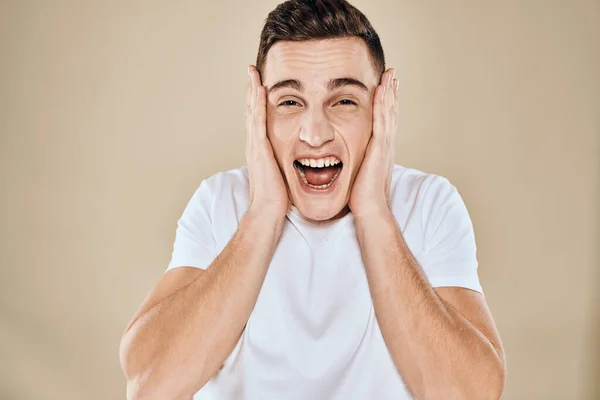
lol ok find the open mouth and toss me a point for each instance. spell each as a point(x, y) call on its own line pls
point(318, 174)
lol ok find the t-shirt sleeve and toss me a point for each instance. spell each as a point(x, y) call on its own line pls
point(194, 244)
point(449, 257)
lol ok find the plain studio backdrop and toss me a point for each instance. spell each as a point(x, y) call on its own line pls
point(111, 114)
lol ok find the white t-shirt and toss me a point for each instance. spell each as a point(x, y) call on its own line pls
point(313, 332)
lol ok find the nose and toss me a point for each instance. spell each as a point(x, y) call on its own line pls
point(316, 129)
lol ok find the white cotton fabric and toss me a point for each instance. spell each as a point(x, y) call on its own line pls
point(313, 332)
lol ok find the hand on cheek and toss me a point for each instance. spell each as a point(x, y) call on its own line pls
point(267, 188)
point(371, 190)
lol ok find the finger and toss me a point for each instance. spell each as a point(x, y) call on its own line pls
point(391, 78)
point(247, 109)
point(386, 81)
point(255, 83)
point(380, 103)
point(388, 98)
point(260, 113)
point(253, 86)
point(385, 77)
point(391, 113)
point(378, 117)
point(248, 90)
point(396, 96)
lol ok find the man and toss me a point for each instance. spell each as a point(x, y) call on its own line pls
point(322, 270)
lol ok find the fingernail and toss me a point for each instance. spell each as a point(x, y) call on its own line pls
point(249, 69)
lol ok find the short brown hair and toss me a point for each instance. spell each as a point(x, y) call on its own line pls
point(301, 20)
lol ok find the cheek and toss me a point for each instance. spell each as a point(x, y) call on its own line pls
point(282, 127)
point(356, 120)
point(355, 130)
point(281, 132)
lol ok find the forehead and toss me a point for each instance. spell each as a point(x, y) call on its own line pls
point(315, 62)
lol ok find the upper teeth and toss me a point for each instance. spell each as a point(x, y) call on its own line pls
point(319, 163)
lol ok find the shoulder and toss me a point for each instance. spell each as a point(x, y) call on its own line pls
point(223, 198)
point(411, 180)
point(439, 228)
point(220, 184)
point(422, 195)
point(405, 179)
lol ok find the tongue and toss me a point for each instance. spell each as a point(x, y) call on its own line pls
point(319, 176)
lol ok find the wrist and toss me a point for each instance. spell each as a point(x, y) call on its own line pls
point(374, 223)
point(267, 217)
point(373, 213)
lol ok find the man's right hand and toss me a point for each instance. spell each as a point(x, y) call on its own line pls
point(203, 313)
point(267, 187)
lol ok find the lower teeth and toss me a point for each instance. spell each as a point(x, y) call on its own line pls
point(325, 186)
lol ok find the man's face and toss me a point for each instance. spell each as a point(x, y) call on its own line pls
point(319, 119)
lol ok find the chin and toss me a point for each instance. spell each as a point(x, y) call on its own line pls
point(317, 212)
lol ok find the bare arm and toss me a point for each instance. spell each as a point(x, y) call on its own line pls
point(443, 343)
point(175, 347)
point(191, 322)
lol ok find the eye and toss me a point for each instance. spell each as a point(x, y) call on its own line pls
point(289, 103)
point(346, 102)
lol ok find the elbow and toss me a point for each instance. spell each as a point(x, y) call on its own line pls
point(498, 381)
point(490, 376)
point(496, 376)
point(137, 375)
point(126, 356)
point(490, 385)
point(135, 391)
point(486, 383)
point(148, 378)
point(146, 387)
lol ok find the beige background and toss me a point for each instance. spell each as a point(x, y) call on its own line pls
point(111, 113)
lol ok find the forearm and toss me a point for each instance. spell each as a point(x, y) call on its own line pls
point(437, 351)
point(181, 342)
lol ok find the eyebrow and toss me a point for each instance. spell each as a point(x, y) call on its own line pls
point(339, 82)
point(331, 85)
point(291, 83)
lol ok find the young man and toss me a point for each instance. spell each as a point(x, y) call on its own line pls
point(322, 270)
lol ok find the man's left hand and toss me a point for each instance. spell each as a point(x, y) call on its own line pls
point(371, 190)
